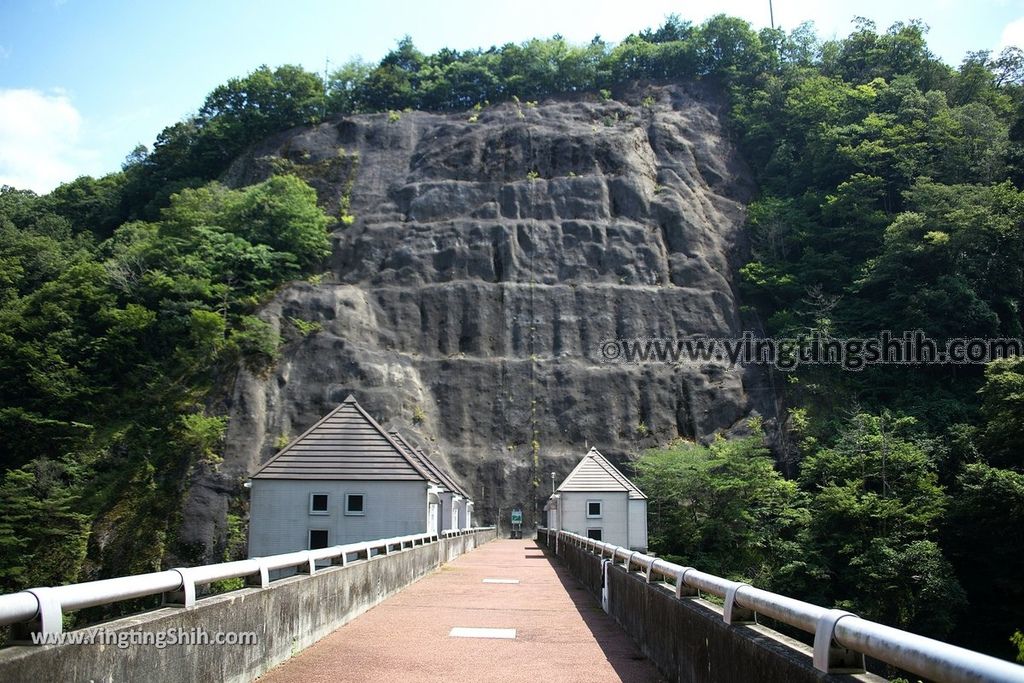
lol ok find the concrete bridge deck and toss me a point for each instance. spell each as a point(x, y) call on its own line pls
point(561, 634)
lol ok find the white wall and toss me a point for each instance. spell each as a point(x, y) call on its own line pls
point(433, 517)
point(553, 518)
point(448, 508)
point(613, 523)
point(464, 509)
point(638, 525)
point(279, 517)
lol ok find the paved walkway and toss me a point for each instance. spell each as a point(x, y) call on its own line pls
point(561, 633)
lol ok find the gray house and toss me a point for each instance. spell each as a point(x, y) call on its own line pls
point(454, 504)
point(598, 501)
point(344, 480)
point(437, 485)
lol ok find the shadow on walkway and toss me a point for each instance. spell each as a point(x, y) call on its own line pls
point(619, 649)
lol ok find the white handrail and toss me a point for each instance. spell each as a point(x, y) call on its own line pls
point(49, 604)
point(926, 657)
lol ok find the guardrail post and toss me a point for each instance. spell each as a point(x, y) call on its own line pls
point(307, 567)
point(48, 619)
point(733, 613)
point(260, 579)
point(604, 583)
point(650, 568)
point(829, 656)
point(629, 560)
point(185, 595)
point(682, 590)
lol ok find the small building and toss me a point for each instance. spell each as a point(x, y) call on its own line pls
point(597, 501)
point(344, 480)
point(455, 504)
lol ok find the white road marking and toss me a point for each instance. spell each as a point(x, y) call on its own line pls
point(463, 632)
point(501, 580)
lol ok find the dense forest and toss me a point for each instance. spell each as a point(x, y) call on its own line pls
point(889, 199)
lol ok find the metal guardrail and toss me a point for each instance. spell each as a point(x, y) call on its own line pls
point(841, 639)
point(44, 607)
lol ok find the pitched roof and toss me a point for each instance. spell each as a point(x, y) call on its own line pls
point(434, 474)
point(446, 477)
point(345, 444)
point(442, 476)
point(595, 473)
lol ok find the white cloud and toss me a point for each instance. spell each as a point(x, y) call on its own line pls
point(39, 140)
point(1013, 34)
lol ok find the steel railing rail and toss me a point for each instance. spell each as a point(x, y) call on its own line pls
point(92, 593)
point(841, 639)
point(49, 604)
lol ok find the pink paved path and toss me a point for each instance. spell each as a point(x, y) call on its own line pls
point(561, 632)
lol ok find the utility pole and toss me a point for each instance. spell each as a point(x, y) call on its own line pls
point(771, 14)
point(327, 70)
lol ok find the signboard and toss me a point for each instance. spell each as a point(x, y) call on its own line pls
point(517, 516)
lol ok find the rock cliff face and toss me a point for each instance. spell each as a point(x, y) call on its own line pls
point(489, 258)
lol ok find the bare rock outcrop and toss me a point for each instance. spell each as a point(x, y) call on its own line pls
point(489, 258)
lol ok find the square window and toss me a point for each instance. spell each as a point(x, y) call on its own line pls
point(317, 538)
point(593, 508)
point(594, 534)
point(354, 504)
point(318, 503)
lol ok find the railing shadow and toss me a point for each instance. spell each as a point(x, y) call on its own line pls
point(624, 656)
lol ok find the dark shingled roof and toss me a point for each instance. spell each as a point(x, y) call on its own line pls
point(448, 479)
point(433, 473)
point(440, 476)
point(346, 444)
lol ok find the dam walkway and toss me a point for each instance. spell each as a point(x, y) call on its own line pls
point(504, 612)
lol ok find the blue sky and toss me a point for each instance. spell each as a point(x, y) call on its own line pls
point(82, 82)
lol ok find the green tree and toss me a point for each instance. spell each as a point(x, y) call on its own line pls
point(1002, 396)
point(724, 508)
point(983, 536)
point(42, 538)
point(876, 502)
point(247, 109)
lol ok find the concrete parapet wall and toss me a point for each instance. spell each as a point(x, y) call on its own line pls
point(287, 617)
point(686, 638)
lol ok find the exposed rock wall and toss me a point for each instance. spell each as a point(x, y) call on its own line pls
point(487, 261)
